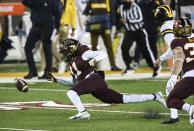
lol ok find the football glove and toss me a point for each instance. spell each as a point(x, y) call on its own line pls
point(171, 83)
point(92, 62)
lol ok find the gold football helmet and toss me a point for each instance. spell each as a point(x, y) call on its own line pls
point(182, 27)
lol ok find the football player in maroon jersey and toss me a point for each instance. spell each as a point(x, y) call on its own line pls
point(183, 50)
point(82, 66)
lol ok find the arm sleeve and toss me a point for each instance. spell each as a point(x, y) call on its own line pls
point(168, 38)
point(97, 55)
point(168, 54)
point(167, 32)
point(70, 82)
point(65, 82)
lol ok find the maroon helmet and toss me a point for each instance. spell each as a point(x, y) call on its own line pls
point(69, 47)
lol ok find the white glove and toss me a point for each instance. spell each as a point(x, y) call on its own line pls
point(92, 62)
point(171, 83)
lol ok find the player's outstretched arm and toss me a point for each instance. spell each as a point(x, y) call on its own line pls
point(177, 67)
point(52, 78)
point(71, 82)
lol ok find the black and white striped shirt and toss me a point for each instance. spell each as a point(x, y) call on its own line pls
point(133, 15)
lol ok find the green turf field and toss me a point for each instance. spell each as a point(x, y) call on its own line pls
point(123, 117)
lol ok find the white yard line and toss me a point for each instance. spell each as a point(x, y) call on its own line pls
point(93, 110)
point(15, 129)
point(128, 112)
point(51, 90)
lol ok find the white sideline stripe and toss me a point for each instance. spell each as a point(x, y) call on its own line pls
point(52, 90)
point(15, 129)
point(93, 110)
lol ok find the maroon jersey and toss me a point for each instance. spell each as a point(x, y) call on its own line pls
point(187, 44)
point(80, 68)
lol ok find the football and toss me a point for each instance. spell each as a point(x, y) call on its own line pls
point(21, 85)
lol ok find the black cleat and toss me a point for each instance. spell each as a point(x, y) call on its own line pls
point(115, 68)
point(171, 121)
point(30, 75)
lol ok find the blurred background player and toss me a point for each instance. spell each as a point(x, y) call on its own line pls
point(82, 66)
point(81, 30)
point(67, 23)
point(164, 16)
point(98, 12)
point(148, 7)
point(68, 20)
point(182, 48)
point(132, 18)
point(58, 65)
point(45, 16)
point(5, 45)
point(117, 25)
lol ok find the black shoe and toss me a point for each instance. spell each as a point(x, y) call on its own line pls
point(156, 71)
point(115, 68)
point(46, 76)
point(171, 121)
point(30, 75)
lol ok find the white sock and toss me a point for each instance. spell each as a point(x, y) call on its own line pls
point(75, 99)
point(133, 98)
point(186, 107)
point(173, 113)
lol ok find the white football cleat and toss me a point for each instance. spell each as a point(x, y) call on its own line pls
point(41, 73)
point(191, 114)
point(80, 115)
point(159, 98)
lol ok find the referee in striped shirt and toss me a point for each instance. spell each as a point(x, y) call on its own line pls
point(131, 17)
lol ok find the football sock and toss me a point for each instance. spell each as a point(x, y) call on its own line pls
point(173, 113)
point(75, 99)
point(133, 98)
point(186, 107)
